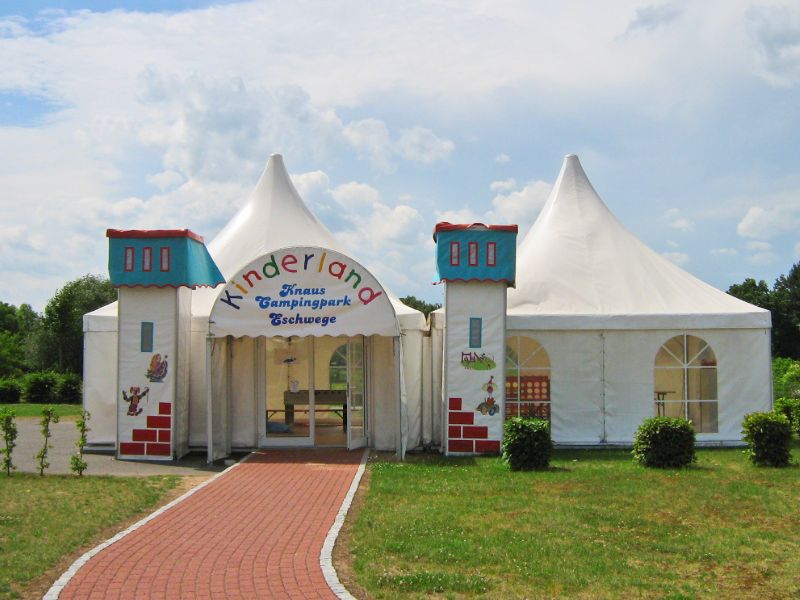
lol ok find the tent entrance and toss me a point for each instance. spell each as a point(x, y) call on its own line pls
point(314, 392)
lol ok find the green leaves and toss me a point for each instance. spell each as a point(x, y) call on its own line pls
point(76, 462)
point(49, 416)
point(8, 428)
point(768, 437)
point(527, 444)
point(664, 442)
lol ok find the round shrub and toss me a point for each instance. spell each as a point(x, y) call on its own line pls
point(768, 437)
point(527, 444)
point(69, 389)
point(10, 391)
point(40, 387)
point(790, 408)
point(664, 442)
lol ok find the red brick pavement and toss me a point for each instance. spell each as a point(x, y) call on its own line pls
point(254, 532)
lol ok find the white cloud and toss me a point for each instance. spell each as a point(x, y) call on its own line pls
point(166, 179)
point(762, 258)
point(462, 215)
point(419, 144)
point(520, 207)
point(776, 32)
point(724, 252)
point(372, 141)
point(783, 216)
point(505, 185)
point(671, 213)
point(679, 258)
point(356, 195)
point(502, 158)
point(682, 224)
point(652, 17)
point(759, 246)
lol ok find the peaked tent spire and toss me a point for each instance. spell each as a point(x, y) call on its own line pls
point(274, 217)
point(579, 267)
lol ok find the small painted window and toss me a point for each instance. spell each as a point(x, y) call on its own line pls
point(147, 259)
point(130, 257)
point(491, 254)
point(147, 336)
point(455, 254)
point(473, 254)
point(165, 259)
point(475, 331)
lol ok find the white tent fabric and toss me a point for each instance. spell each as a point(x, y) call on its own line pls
point(273, 217)
point(601, 304)
point(579, 267)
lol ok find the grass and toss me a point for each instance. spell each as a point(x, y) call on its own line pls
point(45, 519)
point(595, 525)
point(35, 410)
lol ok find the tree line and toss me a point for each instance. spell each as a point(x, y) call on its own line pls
point(53, 340)
point(783, 301)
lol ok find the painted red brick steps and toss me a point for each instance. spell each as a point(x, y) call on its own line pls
point(463, 435)
point(254, 532)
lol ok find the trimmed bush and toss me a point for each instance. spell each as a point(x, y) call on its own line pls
point(10, 391)
point(40, 387)
point(665, 443)
point(527, 444)
point(69, 389)
point(768, 437)
point(790, 408)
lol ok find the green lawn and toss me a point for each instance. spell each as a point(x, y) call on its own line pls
point(35, 410)
point(44, 519)
point(594, 526)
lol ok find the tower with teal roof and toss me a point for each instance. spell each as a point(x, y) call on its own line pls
point(477, 263)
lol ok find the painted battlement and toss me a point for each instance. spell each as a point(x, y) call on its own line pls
point(160, 258)
point(476, 252)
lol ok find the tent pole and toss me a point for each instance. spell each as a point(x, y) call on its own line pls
point(209, 396)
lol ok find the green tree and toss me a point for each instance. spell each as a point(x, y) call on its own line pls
point(783, 301)
point(425, 308)
point(61, 330)
point(8, 318)
point(749, 290)
point(12, 355)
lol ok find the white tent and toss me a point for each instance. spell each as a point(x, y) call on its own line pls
point(592, 311)
point(274, 217)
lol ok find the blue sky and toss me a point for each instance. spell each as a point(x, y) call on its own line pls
point(393, 116)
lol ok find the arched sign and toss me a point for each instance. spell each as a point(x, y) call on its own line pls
point(303, 291)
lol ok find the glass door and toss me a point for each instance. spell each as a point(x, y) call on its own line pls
point(356, 384)
point(289, 393)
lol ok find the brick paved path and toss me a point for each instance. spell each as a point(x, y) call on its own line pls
point(254, 532)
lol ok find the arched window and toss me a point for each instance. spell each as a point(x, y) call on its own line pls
point(527, 378)
point(685, 379)
point(337, 368)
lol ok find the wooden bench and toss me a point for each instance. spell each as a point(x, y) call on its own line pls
point(327, 398)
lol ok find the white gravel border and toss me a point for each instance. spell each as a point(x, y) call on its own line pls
point(56, 589)
point(325, 556)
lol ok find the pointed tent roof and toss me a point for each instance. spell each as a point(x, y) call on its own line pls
point(580, 268)
point(275, 217)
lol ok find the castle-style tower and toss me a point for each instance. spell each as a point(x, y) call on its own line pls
point(154, 272)
point(477, 263)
